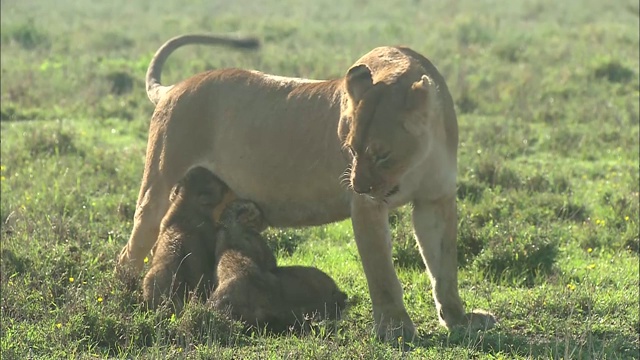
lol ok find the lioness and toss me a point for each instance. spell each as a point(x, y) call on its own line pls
point(251, 287)
point(390, 122)
point(184, 258)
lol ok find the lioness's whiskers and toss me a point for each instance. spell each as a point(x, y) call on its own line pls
point(345, 177)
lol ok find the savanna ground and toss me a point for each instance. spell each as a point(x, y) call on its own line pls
point(547, 97)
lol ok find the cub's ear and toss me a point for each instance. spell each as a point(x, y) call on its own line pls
point(175, 191)
point(358, 81)
point(419, 93)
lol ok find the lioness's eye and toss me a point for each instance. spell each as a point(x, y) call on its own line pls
point(382, 158)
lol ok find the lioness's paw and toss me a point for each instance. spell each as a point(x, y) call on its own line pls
point(127, 269)
point(397, 329)
point(479, 319)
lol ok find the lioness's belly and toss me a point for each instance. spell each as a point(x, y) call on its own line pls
point(283, 214)
point(290, 166)
point(287, 197)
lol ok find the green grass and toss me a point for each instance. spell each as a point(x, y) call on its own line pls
point(547, 94)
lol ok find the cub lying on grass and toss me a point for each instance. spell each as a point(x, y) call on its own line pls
point(251, 287)
point(184, 258)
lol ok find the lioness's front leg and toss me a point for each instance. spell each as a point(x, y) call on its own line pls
point(435, 226)
point(373, 238)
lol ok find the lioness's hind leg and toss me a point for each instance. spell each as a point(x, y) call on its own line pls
point(152, 206)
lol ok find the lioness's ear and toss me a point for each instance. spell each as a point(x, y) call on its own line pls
point(419, 92)
point(421, 96)
point(358, 81)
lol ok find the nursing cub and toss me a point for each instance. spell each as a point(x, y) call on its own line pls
point(252, 288)
point(230, 261)
point(184, 259)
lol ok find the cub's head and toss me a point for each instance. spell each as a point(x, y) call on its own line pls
point(242, 222)
point(243, 213)
point(385, 121)
point(202, 193)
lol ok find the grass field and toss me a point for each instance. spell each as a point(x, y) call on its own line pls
point(547, 95)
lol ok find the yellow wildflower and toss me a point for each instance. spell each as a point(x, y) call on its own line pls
point(71, 279)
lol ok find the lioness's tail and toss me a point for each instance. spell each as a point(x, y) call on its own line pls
point(155, 90)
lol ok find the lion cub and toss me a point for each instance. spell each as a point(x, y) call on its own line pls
point(231, 261)
point(184, 258)
point(252, 288)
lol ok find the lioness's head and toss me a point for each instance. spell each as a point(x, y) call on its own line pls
point(203, 192)
point(385, 121)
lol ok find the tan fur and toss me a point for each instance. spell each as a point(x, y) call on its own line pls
point(284, 143)
point(185, 253)
point(252, 289)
